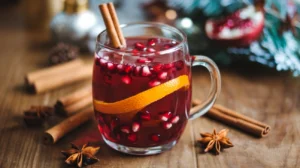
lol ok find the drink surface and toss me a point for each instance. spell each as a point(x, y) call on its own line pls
point(117, 77)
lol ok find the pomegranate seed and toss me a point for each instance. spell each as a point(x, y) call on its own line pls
point(168, 66)
point(120, 67)
point(125, 129)
point(175, 120)
point(107, 79)
point(127, 69)
point(139, 46)
point(132, 137)
point(156, 68)
point(145, 116)
point(126, 79)
point(179, 65)
point(114, 122)
point(152, 42)
point(137, 70)
point(103, 62)
point(146, 71)
point(143, 60)
point(151, 50)
point(167, 125)
point(165, 116)
point(167, 46)
point(154, 83)
point(135, 52)
point(155, 137)
point(162, 75)
point(136, 127)
point(110, 66)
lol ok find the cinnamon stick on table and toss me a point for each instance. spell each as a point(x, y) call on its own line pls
point(112, 25)
point(53, 134)
point(235, 119)
point(69, 104)
point(46, 72)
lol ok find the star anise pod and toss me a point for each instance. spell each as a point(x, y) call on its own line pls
point(36, 115)
point(81, 157)
point(216, 141)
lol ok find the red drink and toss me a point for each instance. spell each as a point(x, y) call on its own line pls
point(117, 77)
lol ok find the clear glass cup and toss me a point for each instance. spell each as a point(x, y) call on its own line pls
point(142, 95)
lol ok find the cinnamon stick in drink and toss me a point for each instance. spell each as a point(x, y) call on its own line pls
point(230, 117)
point(55, 133)
point(64, 78)
point(52, 71)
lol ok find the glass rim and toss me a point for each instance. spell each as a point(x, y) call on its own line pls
point(152, 24)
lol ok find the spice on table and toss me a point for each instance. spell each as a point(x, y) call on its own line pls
point(81, 157)
point(62, 52)
point(36, 115)
point(75, 101)
point(233, 118)
point(215, 141)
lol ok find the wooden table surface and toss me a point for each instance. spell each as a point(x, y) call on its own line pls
point(263, 94)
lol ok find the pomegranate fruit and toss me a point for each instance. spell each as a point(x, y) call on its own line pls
point(238, 29)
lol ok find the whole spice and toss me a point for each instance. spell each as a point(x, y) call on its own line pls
point(62, 53)
point(81, 157)
point(216, 141)
point(36, 115)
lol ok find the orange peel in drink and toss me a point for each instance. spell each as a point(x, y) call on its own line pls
point(137, 102)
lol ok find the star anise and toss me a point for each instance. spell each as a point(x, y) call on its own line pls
point(36, 115)
point(81, 157)
point(216, 141)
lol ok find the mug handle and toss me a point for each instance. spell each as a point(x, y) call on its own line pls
point(215, 84)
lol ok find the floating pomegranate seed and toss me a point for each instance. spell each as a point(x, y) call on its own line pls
point(167, 46)
point(145, 71)
point(136, 126)
point(103, 62)
point(165, 116)
point(179, 65)
point(162, 75)
point(157, 68)
point(152, 42)
point(126, 79)
point(145, 115)
point(120, 67)
point(155, 137)
point(107, 79)
point(135, 52)
point(125, 129)
point(132, 137)
point(175, 119)
point(139, 46)
point(154, 83)
point(127, 69)
point(137, 70)
point(167, 125)
point(110, 66)
point(168, 66)
point(150, 50)
point(143, 60)
point(114, 122)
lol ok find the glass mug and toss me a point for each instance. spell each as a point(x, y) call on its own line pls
point(142, 95)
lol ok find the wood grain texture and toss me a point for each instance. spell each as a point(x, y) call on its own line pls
point(260, 93)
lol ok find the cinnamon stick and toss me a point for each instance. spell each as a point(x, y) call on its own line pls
point(55, 133)
point(112, 25)
point(230, 117)
point(63, 78)
point(75, 101)
point(51, 71)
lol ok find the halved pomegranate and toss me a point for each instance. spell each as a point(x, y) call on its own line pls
point(238, 29)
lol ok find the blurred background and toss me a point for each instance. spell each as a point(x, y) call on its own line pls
point(264, 32)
